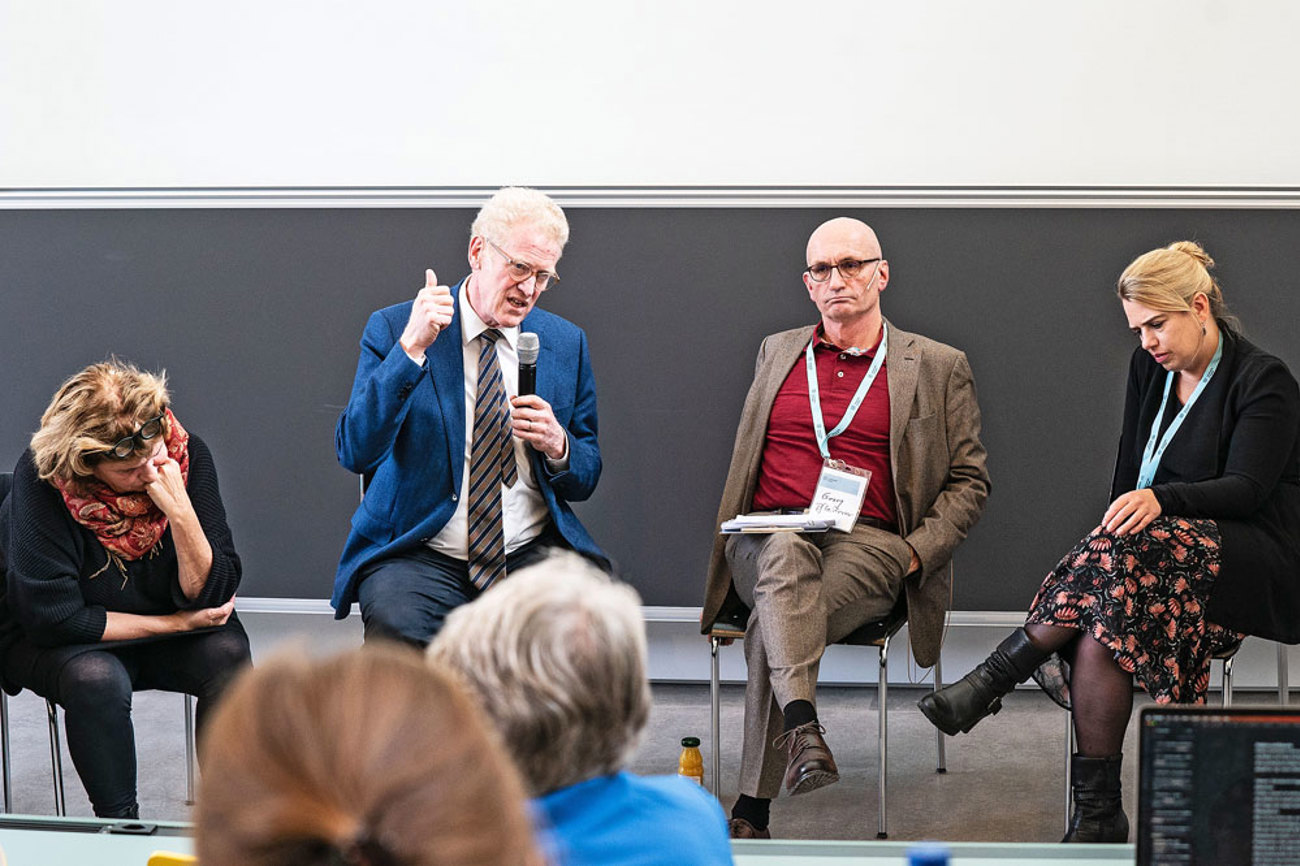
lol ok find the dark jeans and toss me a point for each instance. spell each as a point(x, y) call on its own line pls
point(95, 688)
point(407, 597)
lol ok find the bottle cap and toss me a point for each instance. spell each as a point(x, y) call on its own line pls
point(690, 742)
point(927, 855)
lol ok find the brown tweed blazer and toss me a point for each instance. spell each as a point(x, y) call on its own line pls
point(940, 478)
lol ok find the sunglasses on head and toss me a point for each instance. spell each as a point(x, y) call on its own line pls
point(126, 446)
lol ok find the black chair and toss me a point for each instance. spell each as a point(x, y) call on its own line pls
point(6, 484)
point(731, 624)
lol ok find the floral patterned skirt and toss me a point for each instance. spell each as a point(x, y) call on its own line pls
point(1143, 596)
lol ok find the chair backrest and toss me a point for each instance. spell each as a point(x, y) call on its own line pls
point(6, 484)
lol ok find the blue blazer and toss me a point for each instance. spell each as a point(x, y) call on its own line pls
point(404, 429)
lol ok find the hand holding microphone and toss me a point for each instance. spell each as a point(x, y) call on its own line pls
point(531, 417)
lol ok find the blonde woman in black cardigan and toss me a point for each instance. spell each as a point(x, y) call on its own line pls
point(1199, 547)
point(120, 571)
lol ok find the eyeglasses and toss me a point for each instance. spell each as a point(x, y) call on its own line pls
point(125, 446)
point(521, 271)
point(848, 268)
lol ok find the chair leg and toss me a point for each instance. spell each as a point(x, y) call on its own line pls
point(4, 751)
point(882, 733)
point(1283, 678)
point(56, 758)
point(1227, 682)
point(189, 750)
point(940, 746)
point(715, 708)
point(1069, 753)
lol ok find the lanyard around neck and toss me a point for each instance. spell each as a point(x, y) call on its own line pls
point(1152, 453)
point(815, 399)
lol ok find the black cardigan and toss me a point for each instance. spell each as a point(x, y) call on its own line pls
point(1236, 460)
point(51, 600)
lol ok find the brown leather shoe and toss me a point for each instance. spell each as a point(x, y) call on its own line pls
point(741, 829)
point(810, 765)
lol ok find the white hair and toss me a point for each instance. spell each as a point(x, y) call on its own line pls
point(513, 206)
point(557, 657)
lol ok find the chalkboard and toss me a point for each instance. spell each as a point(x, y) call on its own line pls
point(256, 314)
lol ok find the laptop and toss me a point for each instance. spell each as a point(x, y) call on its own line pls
point(1218, 785)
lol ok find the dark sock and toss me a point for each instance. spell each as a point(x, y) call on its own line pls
point(799, 713)
point(755, 810)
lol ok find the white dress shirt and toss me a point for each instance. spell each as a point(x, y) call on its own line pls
point(523, 509)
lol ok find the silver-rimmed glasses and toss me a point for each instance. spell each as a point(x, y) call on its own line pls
point(521, 271)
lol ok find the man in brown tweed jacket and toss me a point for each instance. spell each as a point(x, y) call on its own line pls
point(914, 425)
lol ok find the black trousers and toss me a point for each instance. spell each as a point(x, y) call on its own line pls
point(407, 597)
point(95, 688)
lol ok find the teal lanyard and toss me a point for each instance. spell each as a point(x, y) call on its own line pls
point(815, 398)
point(1152, 453)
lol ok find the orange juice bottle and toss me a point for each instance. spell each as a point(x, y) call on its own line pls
point(691, 764)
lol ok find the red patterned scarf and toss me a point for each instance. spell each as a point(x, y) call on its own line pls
point(129, 525)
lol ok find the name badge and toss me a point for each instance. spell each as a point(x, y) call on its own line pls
point(840, 491)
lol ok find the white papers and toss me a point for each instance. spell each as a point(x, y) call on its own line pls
point(775, 523)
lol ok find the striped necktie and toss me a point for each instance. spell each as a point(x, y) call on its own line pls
point(491, 464)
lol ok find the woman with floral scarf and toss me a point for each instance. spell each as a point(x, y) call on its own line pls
point(120, 570)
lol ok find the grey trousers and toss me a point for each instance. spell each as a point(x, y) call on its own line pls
point(805, 591)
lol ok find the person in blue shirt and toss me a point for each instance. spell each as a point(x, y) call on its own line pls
point(557, 656)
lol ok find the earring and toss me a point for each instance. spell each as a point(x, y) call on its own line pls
point(1202, 329)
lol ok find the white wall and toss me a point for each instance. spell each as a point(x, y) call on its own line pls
point(859, 93)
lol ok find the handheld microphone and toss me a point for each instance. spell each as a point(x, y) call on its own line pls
point(529, 347)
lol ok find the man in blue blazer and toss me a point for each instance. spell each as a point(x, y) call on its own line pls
point(418, 546)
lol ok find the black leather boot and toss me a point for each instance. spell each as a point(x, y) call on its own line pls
point(1098, 811)
point(956, 708)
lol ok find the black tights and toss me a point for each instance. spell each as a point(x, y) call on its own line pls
point(95, 689)
point(1101, 692)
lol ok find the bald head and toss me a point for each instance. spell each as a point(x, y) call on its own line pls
point(846, 274)
point(843, 233)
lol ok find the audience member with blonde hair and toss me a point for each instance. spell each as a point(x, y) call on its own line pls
point(373, 758)
point(1199, 546)
point(557, 657)
point(120, 570)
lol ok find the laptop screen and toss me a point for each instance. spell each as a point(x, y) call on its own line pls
point(1219, 785)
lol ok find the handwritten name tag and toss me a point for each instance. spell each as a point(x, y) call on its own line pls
point(840, 491)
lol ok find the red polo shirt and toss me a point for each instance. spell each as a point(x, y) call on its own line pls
point(791, 461)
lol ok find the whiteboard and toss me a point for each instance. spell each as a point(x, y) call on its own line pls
point(407, 93)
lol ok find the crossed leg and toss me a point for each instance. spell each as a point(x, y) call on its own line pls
point(805, 592)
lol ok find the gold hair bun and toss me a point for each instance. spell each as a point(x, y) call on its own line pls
point(1195, 250)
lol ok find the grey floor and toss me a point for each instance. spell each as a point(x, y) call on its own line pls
point(1004, 780)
